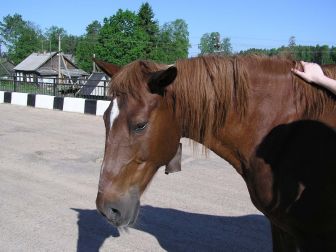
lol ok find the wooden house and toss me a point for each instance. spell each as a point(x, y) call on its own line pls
point(44, 68)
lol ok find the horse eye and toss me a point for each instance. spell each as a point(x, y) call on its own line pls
point(140, 127)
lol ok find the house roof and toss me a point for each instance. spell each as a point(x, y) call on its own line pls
point(6, 67)
point(34, 61)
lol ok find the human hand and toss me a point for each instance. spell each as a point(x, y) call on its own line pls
point(312, 72)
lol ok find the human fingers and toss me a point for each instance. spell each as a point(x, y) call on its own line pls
point(301, 74)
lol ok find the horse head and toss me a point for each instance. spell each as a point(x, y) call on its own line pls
point(142, 134)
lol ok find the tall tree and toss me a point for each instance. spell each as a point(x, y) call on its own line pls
point(291, 41)
point(11, 29)
point(20, 37)
point(121, 40)
point(211, 43)
point(333, 54)
point(174, 41)
point(323, 55)
point(87, 46)
point(226, 47)
point(151, 28)
point(52, 34)
point(68, 42)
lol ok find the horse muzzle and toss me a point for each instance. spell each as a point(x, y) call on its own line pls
point(121, 212)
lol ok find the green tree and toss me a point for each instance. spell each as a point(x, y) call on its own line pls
point(20, 37)
point(211, 43)
point(68, 42)
point(92, 30)
point(324, 55)
point(28, 42)
point(291, 42)
point(173, 42)
point(333, 54)
point(87, 46)
point(51, 35)
point(151, 28)
point(121, 40)
point(226, 47)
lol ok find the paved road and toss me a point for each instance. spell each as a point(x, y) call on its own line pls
point(49, 168)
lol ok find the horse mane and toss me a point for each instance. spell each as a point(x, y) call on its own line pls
point(207, 87)
point(313, 100)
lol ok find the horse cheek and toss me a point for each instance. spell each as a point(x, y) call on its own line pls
point(167, 140)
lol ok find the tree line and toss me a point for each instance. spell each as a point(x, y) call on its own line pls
point(322, 54)
point(318, 54)
point(127, 36)
point(120, 39)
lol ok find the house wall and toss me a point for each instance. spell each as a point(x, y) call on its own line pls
point(48, 79)
point(29, 77)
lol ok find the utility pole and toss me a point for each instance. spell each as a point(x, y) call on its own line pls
point(94, 64)
point(59, 57)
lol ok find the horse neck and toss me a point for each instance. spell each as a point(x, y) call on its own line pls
point(230, 115)
point(207, 95)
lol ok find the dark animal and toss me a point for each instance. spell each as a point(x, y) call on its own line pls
point(275, 130)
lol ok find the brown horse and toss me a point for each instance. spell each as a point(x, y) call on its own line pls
point(275, 130)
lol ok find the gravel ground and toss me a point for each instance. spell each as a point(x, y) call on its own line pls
point(49, 169)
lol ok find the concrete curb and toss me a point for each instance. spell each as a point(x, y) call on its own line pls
point(69, 104)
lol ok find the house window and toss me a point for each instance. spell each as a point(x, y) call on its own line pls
point(19, 76)
point(30, 77)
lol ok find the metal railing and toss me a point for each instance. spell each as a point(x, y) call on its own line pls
point(83, 88)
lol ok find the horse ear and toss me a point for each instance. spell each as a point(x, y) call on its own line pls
point(159, 80)
point(108, 68)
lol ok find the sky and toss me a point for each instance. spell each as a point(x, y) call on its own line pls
point(248, 24)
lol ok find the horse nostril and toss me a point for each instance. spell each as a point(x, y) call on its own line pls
point(115, 212)
point(113, 215)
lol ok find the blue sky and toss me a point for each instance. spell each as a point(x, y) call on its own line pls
point(249, 24)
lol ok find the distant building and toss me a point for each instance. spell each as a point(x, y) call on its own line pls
point(6, 68)
point(43, 68)
point(95, 85)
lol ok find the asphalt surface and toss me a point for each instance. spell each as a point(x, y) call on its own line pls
point(49, 170)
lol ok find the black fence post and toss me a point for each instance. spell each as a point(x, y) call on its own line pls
point(54, 87)
point(104, 89)
point(15, 82)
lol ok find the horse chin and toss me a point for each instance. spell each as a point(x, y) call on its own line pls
point(133, 216)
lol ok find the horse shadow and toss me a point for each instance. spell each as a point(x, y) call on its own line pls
point(302, 158)
point(177, 230)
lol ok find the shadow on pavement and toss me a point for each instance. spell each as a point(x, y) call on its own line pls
point(177, 230)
